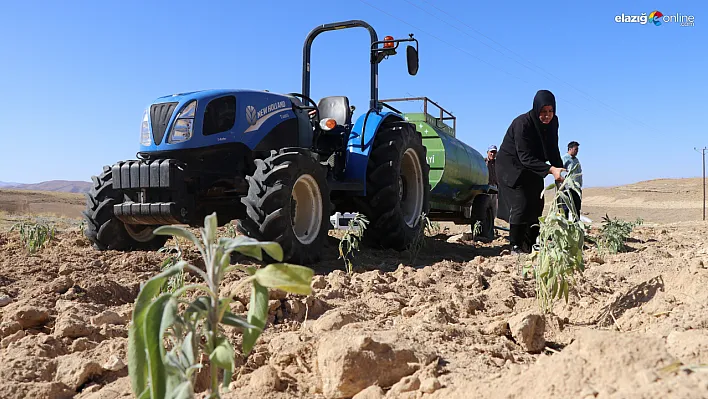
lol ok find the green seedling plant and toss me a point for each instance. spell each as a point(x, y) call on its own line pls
point(350, 241)
point(174, 257)
point(82, 226)
point(169, 332)
point(557, 254)
point(425, 229)
point(432, 229)
point(614, 234)
point(231, 230)
point(476, 229)
point(34, 236)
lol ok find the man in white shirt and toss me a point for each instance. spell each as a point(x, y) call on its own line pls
point(571, 161)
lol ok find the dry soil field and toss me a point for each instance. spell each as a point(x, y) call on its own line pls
point(457, 322)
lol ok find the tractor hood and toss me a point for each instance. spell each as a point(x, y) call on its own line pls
point(199, 95)
point(211, 117)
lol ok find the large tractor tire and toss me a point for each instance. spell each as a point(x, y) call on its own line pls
point(107, 232)
point(483, 211)
point(397, 187)
point(288, 202)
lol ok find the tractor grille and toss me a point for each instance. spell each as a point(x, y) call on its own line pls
point(160, 116)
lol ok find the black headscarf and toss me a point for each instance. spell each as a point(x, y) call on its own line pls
point(543, 98)
point(549, 132)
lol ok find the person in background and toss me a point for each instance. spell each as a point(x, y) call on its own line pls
point(570, 161)
point(491, 165)
point(490, 160)
point(522, 163)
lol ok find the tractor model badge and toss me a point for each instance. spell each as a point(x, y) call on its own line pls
point(251, 115)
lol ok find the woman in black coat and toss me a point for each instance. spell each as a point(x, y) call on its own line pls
point(530, 142)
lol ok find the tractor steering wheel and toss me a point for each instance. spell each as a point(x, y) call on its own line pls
point(313, 109)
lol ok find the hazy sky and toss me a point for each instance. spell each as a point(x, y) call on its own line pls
point(76, 76)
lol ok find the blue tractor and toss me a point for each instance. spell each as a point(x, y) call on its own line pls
point(279, 164)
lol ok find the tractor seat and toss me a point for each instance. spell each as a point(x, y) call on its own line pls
point(337, 108)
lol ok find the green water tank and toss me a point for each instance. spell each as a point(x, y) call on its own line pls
point(457, 171)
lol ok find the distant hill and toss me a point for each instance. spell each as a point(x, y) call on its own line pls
point(66, 186)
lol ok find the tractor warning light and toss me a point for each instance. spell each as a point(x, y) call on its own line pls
point(388, 42)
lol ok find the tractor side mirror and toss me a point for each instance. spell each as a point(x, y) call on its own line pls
point(412, 59)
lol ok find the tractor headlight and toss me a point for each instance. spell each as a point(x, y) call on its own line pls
point(183, 127)
point(145, 130)
point(181, 131)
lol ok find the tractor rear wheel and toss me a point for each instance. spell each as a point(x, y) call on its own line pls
point(288, 202)
point(107, 232)
point(397, 186)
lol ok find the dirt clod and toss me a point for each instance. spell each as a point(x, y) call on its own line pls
point(29, 316)
point(5, 300)
point(74, 370)
point(266, 378)
point(319, 282)
point(348, 363)
point(430, 385)
point(372, 392)
point(12, 338)
point(527, 329)
point(333, 320)
point(406, 384)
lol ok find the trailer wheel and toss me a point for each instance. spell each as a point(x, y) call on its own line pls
point(107, 232)
point(398, 189)
point(288, 202)
point(483, 211)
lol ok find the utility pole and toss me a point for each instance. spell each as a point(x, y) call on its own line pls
point(703, 152)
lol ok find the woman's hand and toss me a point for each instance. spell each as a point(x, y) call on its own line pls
point(556, 172)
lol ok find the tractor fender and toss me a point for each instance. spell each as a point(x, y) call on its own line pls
point(357, 156)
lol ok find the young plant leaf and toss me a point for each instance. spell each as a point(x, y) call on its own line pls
point(210, 225)
point(255, 249)
point(234, 267)
point(200, 305)
point(233, 320)
point(183, 391)
point(137, 358)
point(248, 246)
point(153, 343)
point(227, 379)
point(257, 316)
point(274, 250)
point(145, 394)
point(188, 349)
point(223, 355)
point(286, 277)
point(169, 316)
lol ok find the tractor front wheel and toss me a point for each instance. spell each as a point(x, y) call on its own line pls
point(397, 185)
point(288, 202)
point(107, 232)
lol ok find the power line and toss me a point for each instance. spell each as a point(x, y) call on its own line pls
point(499, 68)
point(472, 55)
point(586, 95)
point(446, 42)
point(500, 52)
point(493, 48)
